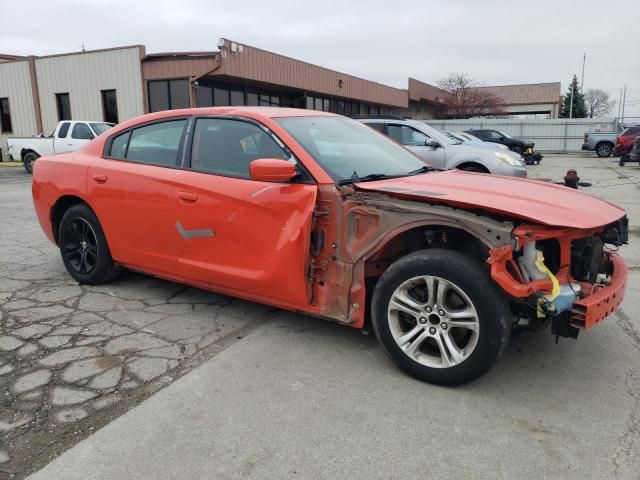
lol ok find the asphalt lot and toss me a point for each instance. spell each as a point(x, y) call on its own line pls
point(280, 395)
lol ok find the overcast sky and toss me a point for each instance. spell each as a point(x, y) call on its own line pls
point(496, 42)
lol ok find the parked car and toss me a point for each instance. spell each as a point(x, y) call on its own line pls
point(523, 147)
point(634, 154)
point(471, 140)
point(440, 151)
point(317, 213)
point(600, 142)
point(625, 142)
point(67, 137)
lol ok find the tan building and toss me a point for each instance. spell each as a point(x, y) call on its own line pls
point(120, 83)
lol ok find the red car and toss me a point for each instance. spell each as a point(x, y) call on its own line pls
point(317, 213)
point(625, 141)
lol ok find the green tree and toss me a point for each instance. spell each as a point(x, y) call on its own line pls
point(579, 109)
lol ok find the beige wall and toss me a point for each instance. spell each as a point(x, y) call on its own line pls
point(83, 76)
point(15, 84)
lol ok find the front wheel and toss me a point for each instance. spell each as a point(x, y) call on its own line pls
point(439, 317)
point(84, 247)
point(28, 160)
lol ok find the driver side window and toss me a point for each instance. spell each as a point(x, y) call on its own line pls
point(406, 135)
point(227, 147)
point(495, 135)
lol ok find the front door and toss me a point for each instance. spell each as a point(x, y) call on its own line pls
point(415, 140)
point(132, 190)
point(239, 235)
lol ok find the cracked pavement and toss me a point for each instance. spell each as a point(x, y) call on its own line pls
point(75, 359)
point(71, 353)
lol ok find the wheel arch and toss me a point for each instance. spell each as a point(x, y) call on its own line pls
point(472, 163)
point(26, 150)
point(60, 207)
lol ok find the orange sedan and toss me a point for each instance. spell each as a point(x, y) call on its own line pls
point(317, 213)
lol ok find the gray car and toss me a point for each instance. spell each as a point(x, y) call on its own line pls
point(440, 151)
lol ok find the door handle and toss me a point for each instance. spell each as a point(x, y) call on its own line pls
point(99, 178)
point(188, 196)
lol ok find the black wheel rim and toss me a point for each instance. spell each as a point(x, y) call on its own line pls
point(605, 150)
point(80, 245)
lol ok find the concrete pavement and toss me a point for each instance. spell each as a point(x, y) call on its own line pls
point(301, 398)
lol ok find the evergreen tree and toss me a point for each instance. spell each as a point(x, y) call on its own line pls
point(579, 107)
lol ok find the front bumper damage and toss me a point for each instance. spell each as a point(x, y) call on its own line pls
point(591, 301)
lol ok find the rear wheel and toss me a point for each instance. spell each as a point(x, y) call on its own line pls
point(604, 149)
point(84, 248)
point(439, 317)
point(28, 160)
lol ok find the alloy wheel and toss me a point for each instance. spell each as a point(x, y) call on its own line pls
point(80, 245)
point(433, 321)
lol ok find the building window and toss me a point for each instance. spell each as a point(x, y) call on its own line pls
point(5, 116)
point(220, 97)
point(109, 106)
point(237, 98)
point(168, 94)
point(64, 106)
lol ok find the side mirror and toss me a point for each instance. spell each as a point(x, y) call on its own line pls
point(272, 170)
point(433, 143)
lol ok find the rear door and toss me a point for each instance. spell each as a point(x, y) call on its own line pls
point(237, 234)
point(414, 140)
point(60, 137)
point(131, 190)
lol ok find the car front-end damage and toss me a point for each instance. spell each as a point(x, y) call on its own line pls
point(570, 278)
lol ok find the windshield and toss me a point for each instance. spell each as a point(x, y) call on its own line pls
point(505, 135)
point(100, 128)
point(454, 136)
point(434, 133)
point(344, 147)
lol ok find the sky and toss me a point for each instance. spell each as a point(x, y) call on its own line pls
point(494, 42)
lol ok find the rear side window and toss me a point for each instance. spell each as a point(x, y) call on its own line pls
point(227, 147)
point(64, 129)
point(81, 131)
point(155, 144)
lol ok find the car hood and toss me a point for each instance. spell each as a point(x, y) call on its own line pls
point(532, 200)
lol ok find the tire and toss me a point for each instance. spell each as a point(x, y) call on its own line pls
point(84, 248)
point(604, 149)
point(28, 160)
point(621, 162)
point(425, 327)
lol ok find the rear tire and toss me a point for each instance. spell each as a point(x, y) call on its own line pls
point(84, 248)
point(28, 160)
point(604, 149)
point(439, 317)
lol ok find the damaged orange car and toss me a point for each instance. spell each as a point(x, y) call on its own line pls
point(317, 213)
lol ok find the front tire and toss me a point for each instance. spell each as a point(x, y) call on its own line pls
point(439, 317)
point(28, 160)
point(84, 248)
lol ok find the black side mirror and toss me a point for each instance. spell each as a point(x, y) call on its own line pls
point(433, 143)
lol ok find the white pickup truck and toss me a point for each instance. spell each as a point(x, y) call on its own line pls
point(69, 135)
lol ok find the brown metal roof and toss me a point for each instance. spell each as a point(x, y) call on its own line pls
point(243, 61)
point(425, 92)
point(530, 93)
point(178, 65)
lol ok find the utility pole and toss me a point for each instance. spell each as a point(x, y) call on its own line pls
point(620, 106)
point(624, 100)
point(584, 59)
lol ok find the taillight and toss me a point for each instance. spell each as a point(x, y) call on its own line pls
point(586, 138)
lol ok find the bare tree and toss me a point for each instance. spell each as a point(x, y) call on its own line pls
point(598, 102)
point(467, 99)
